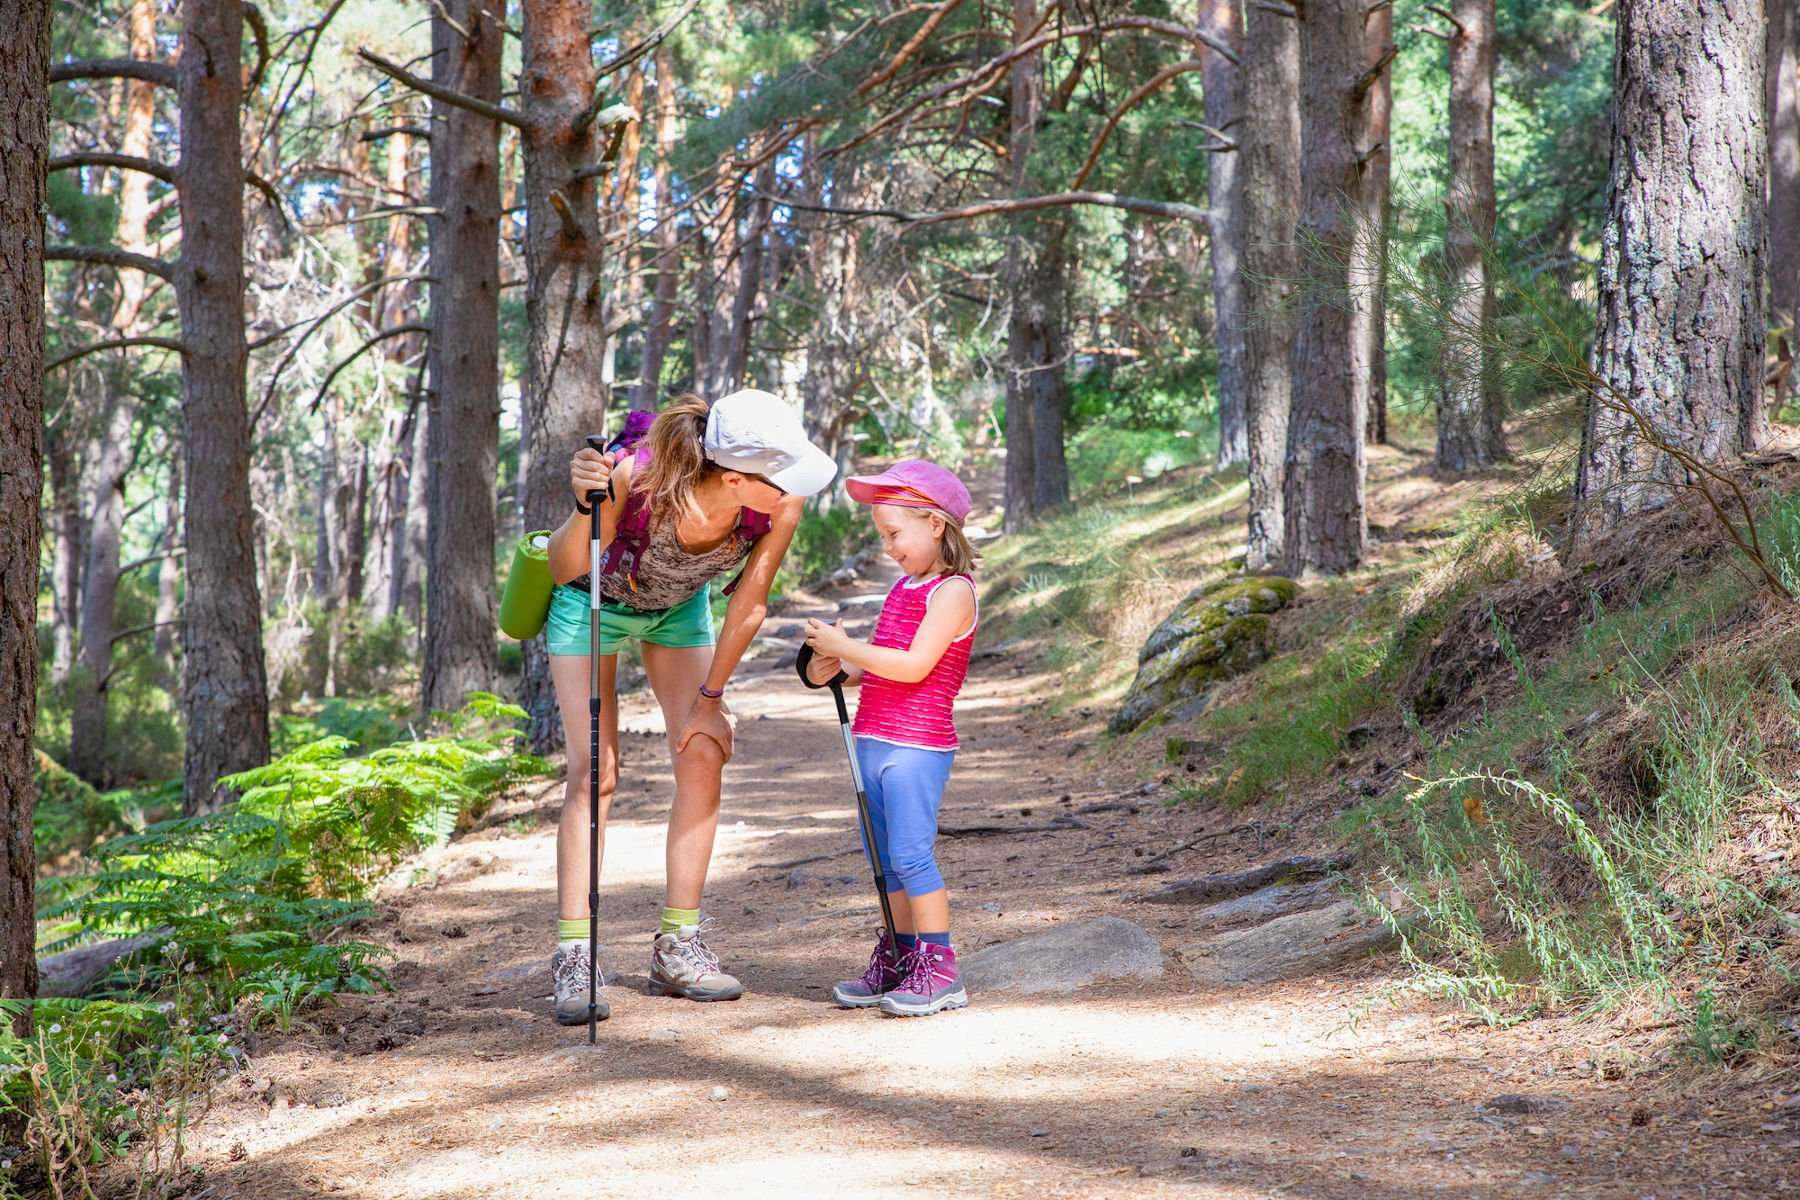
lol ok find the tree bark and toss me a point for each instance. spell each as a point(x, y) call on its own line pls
point(413, 548)
point(1271, 207)
point(168, 575)
point(464, 425)
point(24, 151)
point(565, 338)
point(1782, 96)
point(666, 266)
point(749, 279)
point(224, 687)
point(1224, 108)
point(1326, 526)
point(397, 304)
point(65, 522)
point(100, 573)
point(1372, 247)
point(1469, 433)
point(1036, 474)
point(134, 186)
point(1681, 329)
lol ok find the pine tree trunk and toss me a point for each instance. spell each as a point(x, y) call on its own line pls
point(65, 585)
point(565, 334)
point(464, 426)
point(168, 575)
point(1271, 207)
point(1326, 526)
point(24, 148)
point(100, 571)
point(1036, 474)
point(666, 266)
point(411, 551)
point(1783, 99)
point(1224, 192)
point(356, 530)
point(1469, 434)
point(224, 689)
point(749, 278)
point(134, 186)
point(1681, 328)
point(1370, 271)
point(1049, 350)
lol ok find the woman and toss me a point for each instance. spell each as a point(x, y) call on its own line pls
point(723, 486)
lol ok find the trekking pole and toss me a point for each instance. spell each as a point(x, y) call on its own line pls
point(836, 684)
point(598, 443)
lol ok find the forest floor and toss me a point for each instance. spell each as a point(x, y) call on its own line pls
point(458, 1084)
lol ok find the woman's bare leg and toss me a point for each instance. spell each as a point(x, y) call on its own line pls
point(569, 672)
point(676, 674)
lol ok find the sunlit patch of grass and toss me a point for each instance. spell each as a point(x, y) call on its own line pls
point(1089, 585)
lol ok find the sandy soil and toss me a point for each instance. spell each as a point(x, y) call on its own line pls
point(458, 1084)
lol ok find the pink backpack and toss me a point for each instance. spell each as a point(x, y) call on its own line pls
point(632, 535)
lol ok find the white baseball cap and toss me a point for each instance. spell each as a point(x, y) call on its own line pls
point(759, 434)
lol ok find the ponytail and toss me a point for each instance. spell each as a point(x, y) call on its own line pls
point(677, 459)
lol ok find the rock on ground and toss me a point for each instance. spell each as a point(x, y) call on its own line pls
point(1286, 947)
point(1066, 958)
point(1220, 630)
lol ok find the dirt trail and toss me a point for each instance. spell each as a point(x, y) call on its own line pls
point(459, 1085)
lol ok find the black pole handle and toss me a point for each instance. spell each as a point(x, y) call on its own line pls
point(803, 660)
point(597, 443)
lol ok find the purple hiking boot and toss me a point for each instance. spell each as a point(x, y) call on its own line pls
point(882, 976)
point(932, 983)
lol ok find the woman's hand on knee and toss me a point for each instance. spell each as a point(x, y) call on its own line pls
point(710, 719)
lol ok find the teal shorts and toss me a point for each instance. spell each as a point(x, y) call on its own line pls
point(687, 624)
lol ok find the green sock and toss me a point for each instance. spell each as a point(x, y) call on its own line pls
point(572, 931)
point(674, 918)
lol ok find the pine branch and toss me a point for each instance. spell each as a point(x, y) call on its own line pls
point(1444, 13)
point(115, 344)
point(373, 339)
point(1157, 208)
point(909, 49)
point(125, 162)
point(375, 135)
point(1368, 78)
point(614, 65)
point(160, 74)
point(259, 29)
point(1156, 81)
point(145, 561)
point(571, 227)
point(493, 112)
point(111, 256)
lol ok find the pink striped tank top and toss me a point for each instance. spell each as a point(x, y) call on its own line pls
point(914, 714)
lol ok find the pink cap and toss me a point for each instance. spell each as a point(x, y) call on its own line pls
point(913, 483)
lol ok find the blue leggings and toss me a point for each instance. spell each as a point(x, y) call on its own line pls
point(905, 785)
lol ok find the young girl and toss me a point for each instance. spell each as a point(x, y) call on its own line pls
point(910, 672)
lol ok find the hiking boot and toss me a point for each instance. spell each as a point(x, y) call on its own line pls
point(682, 965)
point(931, 984)
point(569, 971)
point(882, 975)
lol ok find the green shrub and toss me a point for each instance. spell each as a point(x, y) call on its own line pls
point(1515, 897)
point(247, 906)
point(366, 721)
point(823, 540)
point(1102, 456)
point(71, 815)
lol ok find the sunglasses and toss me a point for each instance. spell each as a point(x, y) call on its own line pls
point(766, 480)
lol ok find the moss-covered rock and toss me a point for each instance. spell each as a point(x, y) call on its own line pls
point(1218, 631)
point(70, 814)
